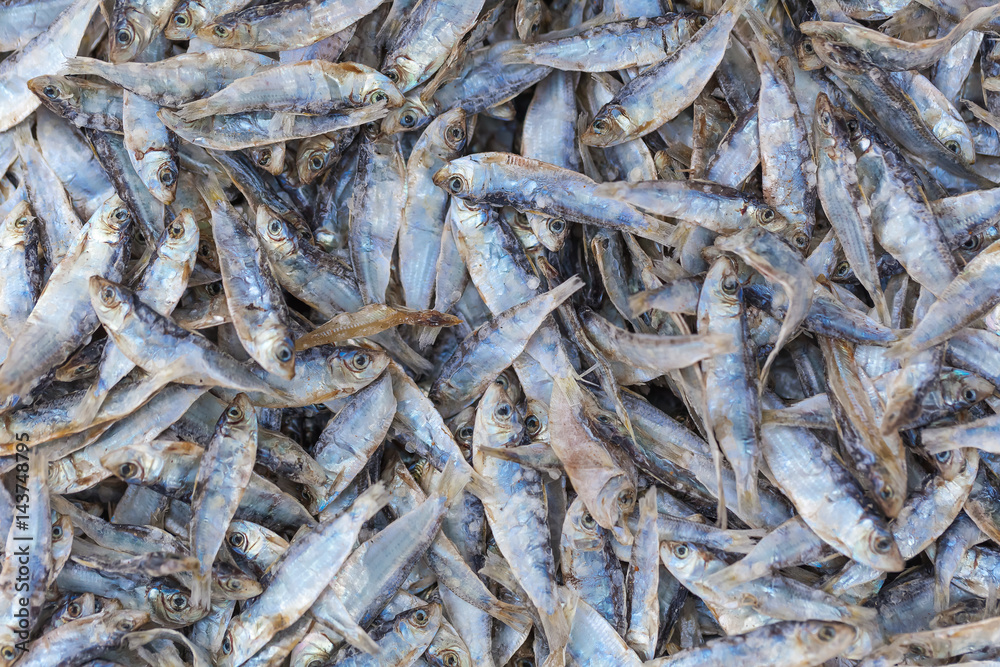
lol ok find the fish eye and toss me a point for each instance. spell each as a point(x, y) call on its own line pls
point(702, 20)
point(8, 652)
point(214, 289)
point(970, 395)
point(232, 584)
point(283, 354)
point(502, 381)
point(21, 223)
point(234, 413)
point(533, 424)
point(181, 20)
point(766, 214)
point(827, 633)
point(852, 125)
point(306, 494)
point(465, 434)
point(361, 361)
point(526, 662)
point(98, 605)
point(599, 126)
point(534, 28)
point(971, 243)
point(842, 269)
point(274, 226)
point(807, 46)
point(587, 521)
point(123, 36)
point(882, 544)
point(126, 625)
point(800, 240)
point(378, 96)
point(51, 92)
point(265, 158)
point(449, 658)
point(128, 470)
point(730, 285)
point(237, 540)
point(942, 457)
point(886, 492)
point(227, 643)
point(392, 75)
point(316, 162)
point(681, 551)
point(121, 214)
point(178, 601)
point(108, 296)
point(503, 411)
point(604, 419)
point(168, 175)
point(57, 532)
point(204, 249)
point(626, 499)
point(74, 609)
point(85, 368)
point(557, 225)
point(408, 119)
point(456, 184)
point(917, 650)
point(315, 663)
point(175, 230)
point(420, 618)
point(953, 146)
point(221, 31)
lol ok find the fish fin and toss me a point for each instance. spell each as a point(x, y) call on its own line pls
point(515, 55)
point(734, 575)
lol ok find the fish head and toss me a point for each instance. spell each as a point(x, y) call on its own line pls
point(536, 421)
point(239, 419)
point(278, 236)
point(135, 465)
point(448, 650)
point(236, 585)
point(498, 421)
point(61, 94)
point(112, 302)
point(412, 114)
point(462, 427)
point(277, 350)
point(229, 31)
point(110, 221)
point(839, 57)
point(878, 545)
point(181, 239)
point(314, 649)
point(580, 530)
point(417, 624)
point(454, 129)
point(171, 606)
point(805, 52)
point(458, 178)
point(615, 502)
point(824, 638)
point(610, 126)
point(18, 226)
point(551, 232)
point(188, 15)
point(528, 18)
point(962, 389)
point(687, 561)
point(403, 72)
point(359, 366)
point(377, 88)
point(131, 32)
point(722, 284)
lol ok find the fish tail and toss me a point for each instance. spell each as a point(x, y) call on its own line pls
point(557, 627)
point(510, 614)
point(81, 65)
point(748, 503)
point(517, 54)
point(427, 337)
point(733, 575)
point(453, 480)
point(201, 590)
point(481, 487)
point(372, 500)
point(356, 636)
point(197, 109)
point(942, 594)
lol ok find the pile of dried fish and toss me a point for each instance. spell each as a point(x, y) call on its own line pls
point(469, 333)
